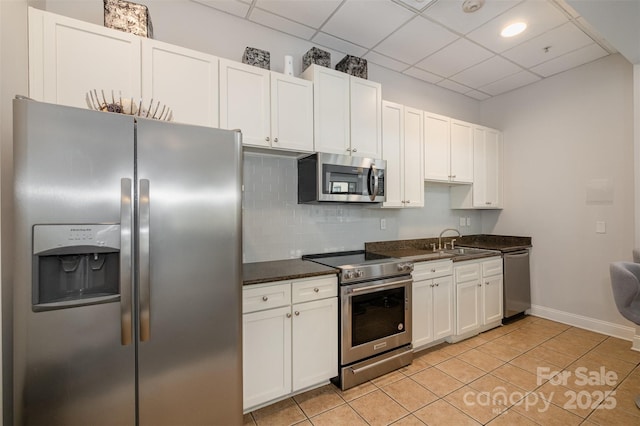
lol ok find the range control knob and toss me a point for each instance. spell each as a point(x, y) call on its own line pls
point(400, 267)
point(359, 273)
point(347, 275)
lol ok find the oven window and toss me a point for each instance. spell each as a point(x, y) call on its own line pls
point(377, 315)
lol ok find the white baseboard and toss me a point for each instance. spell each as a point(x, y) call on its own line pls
point(591, 324)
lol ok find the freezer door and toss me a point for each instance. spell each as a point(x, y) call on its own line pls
point(70, 364)
point(189, 217)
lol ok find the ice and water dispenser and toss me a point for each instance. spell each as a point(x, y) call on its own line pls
point(75, 265)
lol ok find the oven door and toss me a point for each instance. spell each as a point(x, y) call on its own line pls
point(375, 317)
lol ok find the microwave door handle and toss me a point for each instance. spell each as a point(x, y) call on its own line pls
point(373, 176)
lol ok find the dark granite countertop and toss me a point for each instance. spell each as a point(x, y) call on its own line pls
point(504, 243)
point(278, 270)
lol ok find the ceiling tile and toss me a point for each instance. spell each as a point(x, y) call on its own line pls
point(454, 58)
point(450, 14)
point(486, 72)
point(509, 83)
point(549, 45)
point(418, 5)
point(340, 45)
point(422, 75)
point(385, 61)
point(475, 94)
point(570, 60)
point(308, 12)
point(281, 24)
point(366, 23)
point(540, 16)
point(415, 40)
point(452, 85)
point(230, 6)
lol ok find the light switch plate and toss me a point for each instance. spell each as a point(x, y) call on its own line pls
point(468, 221)
point(601, 227)
point(463, 222)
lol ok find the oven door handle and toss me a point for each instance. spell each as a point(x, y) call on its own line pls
point(379, 286)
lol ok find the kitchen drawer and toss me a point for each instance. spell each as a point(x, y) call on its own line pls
point(468, 272)
point(267, 297)
point(492, 267)
point(428, 270)
point(314, 289)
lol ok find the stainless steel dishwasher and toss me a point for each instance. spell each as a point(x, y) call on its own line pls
point(517, 283)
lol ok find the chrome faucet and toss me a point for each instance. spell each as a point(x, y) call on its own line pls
point(442, 233)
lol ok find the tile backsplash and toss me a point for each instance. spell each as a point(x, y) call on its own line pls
point(276, 227)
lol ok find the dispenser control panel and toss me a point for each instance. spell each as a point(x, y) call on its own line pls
point(96, 237)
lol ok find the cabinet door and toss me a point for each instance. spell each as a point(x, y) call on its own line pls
point(492, 299)
point(330, 109)
point(437, 148)
point(184, 80)
point(315, 342)
point(413, 155)
point(366, 118)
point(421, 316)
point(68, 58)
point(487, 168)
point(468, 306)
point(461, 151)
point(442, 307)
point(291, 113)
point(392, 153)
point(266, 355)
point(244, 101)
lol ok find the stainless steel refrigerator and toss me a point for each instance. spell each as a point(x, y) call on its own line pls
point(126, 270)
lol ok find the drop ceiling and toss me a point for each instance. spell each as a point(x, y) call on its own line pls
point(435, 40)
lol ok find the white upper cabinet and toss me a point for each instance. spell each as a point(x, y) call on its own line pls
point(402, 136)
point(461, 151)
point(347, 113)
point(487, 189)
point(291, 113)
point(272, 110)
point(68, 58)
point(185, 80)
point(244, 101)
point(437, 147)
point(448, 149)
point(366, 118)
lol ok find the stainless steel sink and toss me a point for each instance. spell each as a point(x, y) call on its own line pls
point(461, 251)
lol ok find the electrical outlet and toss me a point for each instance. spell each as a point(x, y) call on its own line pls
point(383, 224)
point(601, 227)
point(462, 221)
point(468, 221)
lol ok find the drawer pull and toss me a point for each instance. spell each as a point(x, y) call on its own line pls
point(265, 298)
point(433, 269)
point(288, 314)
point(316, 290)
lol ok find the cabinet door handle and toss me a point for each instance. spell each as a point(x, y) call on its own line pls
point(275, 140)
point(408, 201)
point(297, 313)
point(488, 203)
point(267, 139)
point(437, 284)
point(430, 285)
point(316, 290)
point(288, 314)
point(479, 284)
point(433, 270)
point(265, 298)
point(348, 149)
point(487, 283)
point(355, 150)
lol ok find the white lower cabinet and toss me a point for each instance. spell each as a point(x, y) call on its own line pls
point(432, 318)
point(478, 296)
point(290, 338)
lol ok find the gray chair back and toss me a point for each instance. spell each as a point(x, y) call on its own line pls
point(625, 282)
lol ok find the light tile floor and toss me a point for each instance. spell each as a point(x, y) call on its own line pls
point(530, 372)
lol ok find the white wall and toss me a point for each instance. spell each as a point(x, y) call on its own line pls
point(560, 135)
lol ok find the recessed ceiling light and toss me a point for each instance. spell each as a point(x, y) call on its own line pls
point(513, 29)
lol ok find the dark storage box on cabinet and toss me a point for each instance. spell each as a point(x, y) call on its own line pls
point(316, 56)
point(257, 57)
point(128, 17)
point(353, 65)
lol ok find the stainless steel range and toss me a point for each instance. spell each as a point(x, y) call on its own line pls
point(375, 314)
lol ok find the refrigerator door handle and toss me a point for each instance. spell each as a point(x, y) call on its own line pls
point(145, 290)
point(126, 216)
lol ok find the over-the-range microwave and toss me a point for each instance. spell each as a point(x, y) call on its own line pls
point(340, 178)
